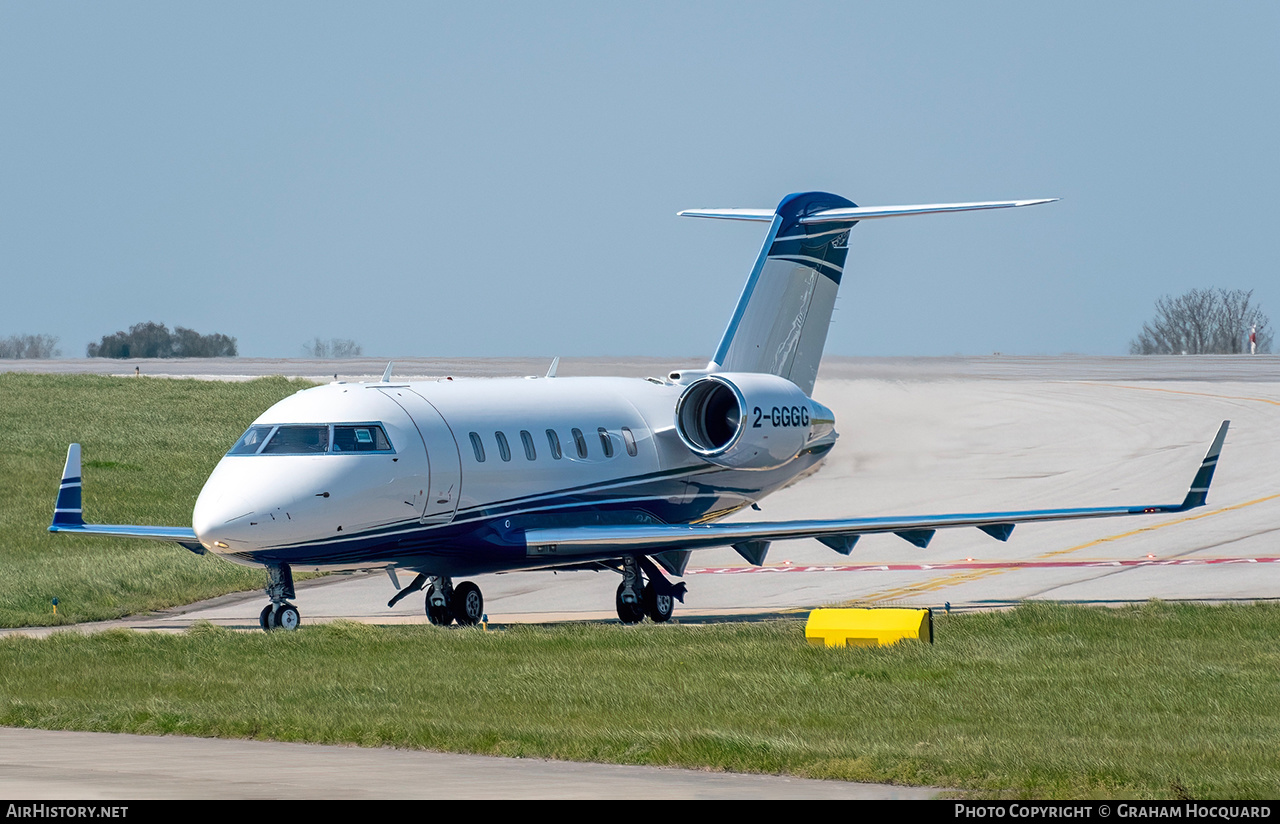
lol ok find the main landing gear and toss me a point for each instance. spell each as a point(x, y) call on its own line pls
point(279, 614)
point(447, 603)
point(636, 598)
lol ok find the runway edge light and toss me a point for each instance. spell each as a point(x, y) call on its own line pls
point(868, 627)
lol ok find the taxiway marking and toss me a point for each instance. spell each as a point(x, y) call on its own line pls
point(1182, 392)
point(899, 593)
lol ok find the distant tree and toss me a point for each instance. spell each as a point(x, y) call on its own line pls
point(1204, 322)
point(332, 348)
point(29, 346)
point(154, 340)
point(190, 344)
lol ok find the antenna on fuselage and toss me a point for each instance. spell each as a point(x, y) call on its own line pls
point(386, 376)
point(551, 372)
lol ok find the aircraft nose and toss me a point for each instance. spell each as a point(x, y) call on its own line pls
point(251, 503)
point(215, 518)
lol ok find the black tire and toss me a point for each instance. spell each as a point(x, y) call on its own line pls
point(287, 618)
point(658, 607)
point(266, 619)
point(440, 616)
point(468, 604)
point(629, 613)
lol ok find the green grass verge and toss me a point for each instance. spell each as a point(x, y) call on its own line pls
point(1154, 701)
point(148, 446)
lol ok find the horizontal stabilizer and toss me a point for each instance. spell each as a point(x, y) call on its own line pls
point(856, 213)
point(759, 215)
point(875, 212)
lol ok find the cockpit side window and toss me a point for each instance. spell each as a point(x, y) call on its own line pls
point(298, 440)
point(251, 441)
point(360, 438)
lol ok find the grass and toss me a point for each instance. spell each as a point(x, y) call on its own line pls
point(1154, 701)
point(148, 445)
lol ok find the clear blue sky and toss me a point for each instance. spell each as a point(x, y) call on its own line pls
point(502, 178)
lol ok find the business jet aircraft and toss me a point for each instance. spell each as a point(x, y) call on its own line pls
point(456, 478)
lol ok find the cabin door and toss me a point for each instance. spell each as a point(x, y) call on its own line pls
point(445, 484)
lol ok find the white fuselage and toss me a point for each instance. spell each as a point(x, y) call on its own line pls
point(471, 463)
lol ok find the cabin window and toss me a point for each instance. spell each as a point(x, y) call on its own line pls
point(504, 451)
point(298, 440)
point(605, 442)
point(251, 441)
point(630, 441)
point(360, 438)
point(527, 440)
point(553, 441)
point(580, 442)
point(477, 446)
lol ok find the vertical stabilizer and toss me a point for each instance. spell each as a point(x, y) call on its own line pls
point(780, 324)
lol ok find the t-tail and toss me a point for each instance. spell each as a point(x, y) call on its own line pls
point(779, 326)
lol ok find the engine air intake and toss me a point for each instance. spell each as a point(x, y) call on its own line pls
point(709, 416)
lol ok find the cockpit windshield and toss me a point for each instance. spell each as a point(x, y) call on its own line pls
point(251, 441)
point(298, 440)
point(312, 439)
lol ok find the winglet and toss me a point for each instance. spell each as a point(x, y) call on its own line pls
point(1199, 491)
point(68, 511)
point(386, 375)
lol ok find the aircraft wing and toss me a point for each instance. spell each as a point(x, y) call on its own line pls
point(68, 514)
point(752, 539)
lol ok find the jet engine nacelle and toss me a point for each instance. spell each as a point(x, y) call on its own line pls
point(748, 420)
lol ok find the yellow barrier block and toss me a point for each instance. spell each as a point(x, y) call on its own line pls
point(867, 627)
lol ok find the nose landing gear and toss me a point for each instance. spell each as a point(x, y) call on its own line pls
point(279, 614)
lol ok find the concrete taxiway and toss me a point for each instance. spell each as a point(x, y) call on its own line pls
point(37, 764)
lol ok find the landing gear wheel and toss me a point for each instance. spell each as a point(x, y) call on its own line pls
point(658, 607)
point(628, 613)
point(287, 617)
point(441, 616)
point(468, 604)
point(264, 620)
